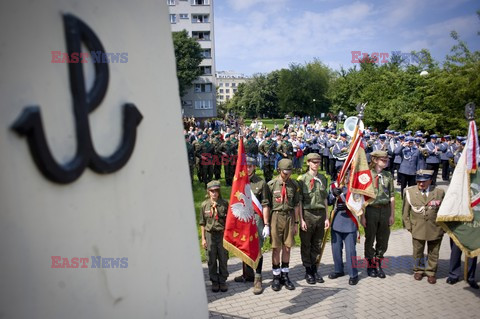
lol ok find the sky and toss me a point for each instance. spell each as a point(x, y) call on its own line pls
point(260, 36)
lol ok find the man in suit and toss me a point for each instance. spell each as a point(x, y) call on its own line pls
point(420, 206)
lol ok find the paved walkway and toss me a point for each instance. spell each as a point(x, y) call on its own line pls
point(399, 295)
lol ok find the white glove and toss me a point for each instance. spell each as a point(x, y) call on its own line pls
point(266, 231)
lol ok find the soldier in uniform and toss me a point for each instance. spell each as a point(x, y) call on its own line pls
point(284, 203)
point(228, 150)
point(267, 149)
point(191, 156)
point(197, 147)
point(313, 216)
point(260, 190)
point(379, 215)
point(344, 230)
point(251, 146)
point(217, 155)
point(285, 148)
point(420, 207)
point(207, 159)
point(213, 215)
point(433, 159)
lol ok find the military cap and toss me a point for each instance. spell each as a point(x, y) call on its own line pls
point(322, 129)
point(418, 134)
point(367, 135)
point(316, 131)
point(313, 156)
point(268, 134)
point(343, 134)
point(251, 161)
point(418, 140)
point(459, 138)
point(409, 139)
point(433, 136)
point(187, 136)
point(463, 142)
point(227, 135)
point(233, 132)
point(382, 137)
point(447, 137)
point(379, 153)
point(423, 175)
point(333, 132)
point(402, 137)
point(328, 130)
point(204, 136)
point(408, 133)
point(374, 133)
point(199, 133)
point(285, 164)
point(396, 133)
point(213, 185)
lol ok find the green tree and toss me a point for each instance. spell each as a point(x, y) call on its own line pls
point(188, 55)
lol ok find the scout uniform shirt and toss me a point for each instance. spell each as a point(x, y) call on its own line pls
point(213, 218)
point(313, 191)
point(283, 199)
point(384, 188)
point(420, 212)
point(260, 189)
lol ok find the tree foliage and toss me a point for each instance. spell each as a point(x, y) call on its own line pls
point(188, 56)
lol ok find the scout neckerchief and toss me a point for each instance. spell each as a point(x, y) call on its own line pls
point(213, 210)
point(284, 193)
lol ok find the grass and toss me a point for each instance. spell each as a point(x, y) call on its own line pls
point(199, 196)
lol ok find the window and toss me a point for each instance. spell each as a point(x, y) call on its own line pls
point(187, 103)
point(221, 84)
point(171, 2)
point(227, 91)
point(201, 35)
point(234, 90)
point(199, 2)
point(201, 88)
point(207, 53)
point(200, 18)
point(173, 18)
point(234, 85)
point(183, 15)
point(203, 105)
point(206, 70)
point(220, 97)
point(220, 90)
point(227, 84)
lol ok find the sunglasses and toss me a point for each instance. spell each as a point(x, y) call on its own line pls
point(315, 162)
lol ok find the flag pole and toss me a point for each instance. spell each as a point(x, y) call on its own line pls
point(361, 110)
point(465, 269)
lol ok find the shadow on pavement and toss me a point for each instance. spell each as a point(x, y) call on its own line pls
point(221, 315)
point(308, 296)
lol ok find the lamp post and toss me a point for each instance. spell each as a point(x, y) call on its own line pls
point(340, 116)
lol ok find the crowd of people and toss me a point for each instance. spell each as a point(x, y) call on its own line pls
point(302, 205)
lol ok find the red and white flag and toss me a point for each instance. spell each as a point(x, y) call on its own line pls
point(360, 186)
point(241, 235)
point(472, 148)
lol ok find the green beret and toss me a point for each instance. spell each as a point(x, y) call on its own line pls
point(379, 153)
point(215, 133)
point(199, 133)
point(313, 156)
point(187, 136)
point(213, 185)
point(268, 134)
point(227, 135)
point(285, 164)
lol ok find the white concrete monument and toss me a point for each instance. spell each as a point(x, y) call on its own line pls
point(96, 210)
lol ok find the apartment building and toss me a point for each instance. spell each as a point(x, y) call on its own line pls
point(227, 84)
point(196, 16)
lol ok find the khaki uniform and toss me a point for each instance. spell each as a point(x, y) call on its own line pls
point(377, 215)
point(214, 228)
point(191, 159)
point(285, 147)
point(419, 218)
point(197, 149)
point(283, 212)
point(313, 195)
point(228, 151)
point(217, 158)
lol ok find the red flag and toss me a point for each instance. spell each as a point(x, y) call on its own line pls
point(241, 236)
point(360, 191)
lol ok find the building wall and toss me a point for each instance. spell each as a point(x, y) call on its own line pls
point(200, 100)
point(227, 84)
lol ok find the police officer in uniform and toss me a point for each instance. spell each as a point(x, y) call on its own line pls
point(420, 207)
point(284, 203)
point(379, 215)
point(331, 160)
point(213, 215)
point(313, 216)
point(410, 160)
point(444, 157)
point(433, 159)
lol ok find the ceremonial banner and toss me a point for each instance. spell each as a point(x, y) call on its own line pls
point(360, 191)
point(459, 214)
point(241, 235)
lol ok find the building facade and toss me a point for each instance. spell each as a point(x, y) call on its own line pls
point(196, 17)
point(227, 84)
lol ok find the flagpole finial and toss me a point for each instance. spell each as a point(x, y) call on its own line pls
point(470, 111)
point(361, 109)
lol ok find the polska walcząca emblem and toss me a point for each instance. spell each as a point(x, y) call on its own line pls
point(29, 123)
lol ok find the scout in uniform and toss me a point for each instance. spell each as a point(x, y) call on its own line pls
point(267, 149)
point(213, 214)
point(207, 153)
point(313, 216)
point(379, 215)
point(420, 207)
point(284, 203)
point(285, 148)
point(197, 147)
point(260, 190)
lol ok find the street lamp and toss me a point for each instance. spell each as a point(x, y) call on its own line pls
point(340, 116)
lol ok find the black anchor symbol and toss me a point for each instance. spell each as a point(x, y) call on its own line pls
point(29, 123)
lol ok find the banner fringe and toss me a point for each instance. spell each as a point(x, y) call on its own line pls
point(470, 254)
point(240, 254)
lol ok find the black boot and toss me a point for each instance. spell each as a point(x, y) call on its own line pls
point(309, 276)
point(380, 272)
point(276, 285)
point(371, 268)
point(317, 276)
point(286, 281)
